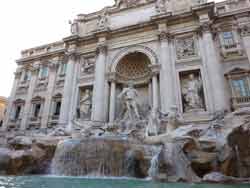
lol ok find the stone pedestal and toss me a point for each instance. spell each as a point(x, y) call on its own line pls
point(98, 111)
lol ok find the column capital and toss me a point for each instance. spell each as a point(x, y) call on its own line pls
point(164, 35)
point(101, 48)
point(245, 30)
point(111, 77)
point(155, 69)
point(72, 55)
point(17, 74)
point(205, 27)
point(53, 65)
point(35, 68)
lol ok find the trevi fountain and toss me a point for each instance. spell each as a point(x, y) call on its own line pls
point(144, 93)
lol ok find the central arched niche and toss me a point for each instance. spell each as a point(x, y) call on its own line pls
point(134, 67)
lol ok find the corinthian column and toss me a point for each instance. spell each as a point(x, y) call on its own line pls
point(48, 98)
point(112, 98)
point(68, 89)
point(155, 69)
point(166, 73)
point(245, 33)
point(27, 107)
point(98, 111)
point(214, 69)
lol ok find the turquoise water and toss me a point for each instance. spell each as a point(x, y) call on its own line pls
point(68, 182)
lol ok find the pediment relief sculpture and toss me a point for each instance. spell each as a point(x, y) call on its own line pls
point(185, 48)
point(87, 66)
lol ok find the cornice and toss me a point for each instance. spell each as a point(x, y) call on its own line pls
point(204, 7)
point(233, 13)
point(71, 39)
point(39, 56)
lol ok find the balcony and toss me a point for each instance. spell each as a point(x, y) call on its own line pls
point(229, 51)
point(239, 102)
point(34, 123)
point(53, 121)
point(14, 124)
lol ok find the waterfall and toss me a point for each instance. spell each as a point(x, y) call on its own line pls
point(154, 165)
point(101, 157)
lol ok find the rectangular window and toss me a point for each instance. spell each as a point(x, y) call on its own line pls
point(57, 108)
point(26, 76)
point(44, 72)
point(37, 108)
point(228, 40)
point(17, 112)
point(63, 68)
point(241, 87)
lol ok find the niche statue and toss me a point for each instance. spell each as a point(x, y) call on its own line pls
point(85, 104)
point(193, 93)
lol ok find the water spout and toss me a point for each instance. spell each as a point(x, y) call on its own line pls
point(154, 165)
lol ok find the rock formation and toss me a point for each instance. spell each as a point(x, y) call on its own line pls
point(214, 152)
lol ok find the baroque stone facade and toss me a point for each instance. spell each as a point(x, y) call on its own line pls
point(133, 59)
